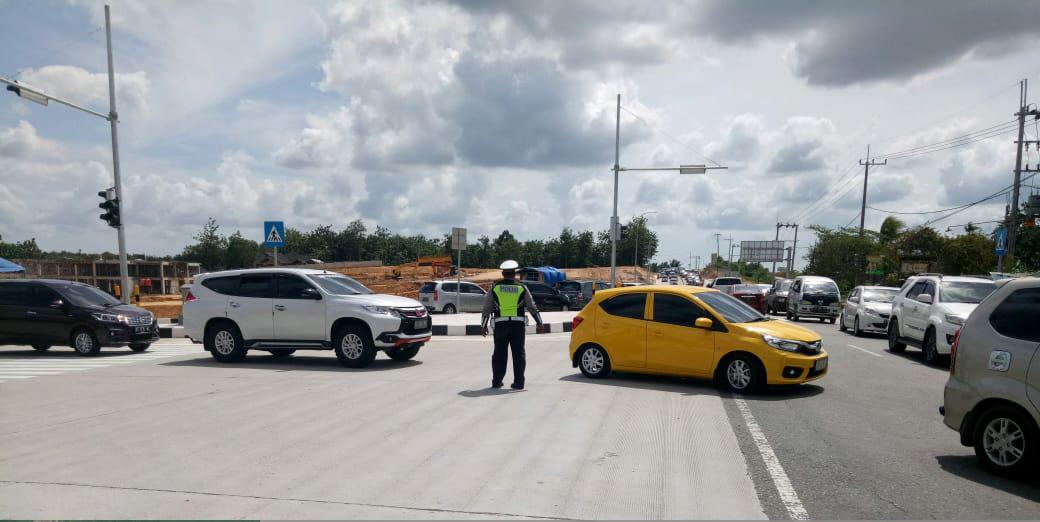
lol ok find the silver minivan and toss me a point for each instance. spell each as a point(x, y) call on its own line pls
point(992, 396)
point(444, 296)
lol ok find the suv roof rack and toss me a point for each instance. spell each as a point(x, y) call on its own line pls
point(936, 274)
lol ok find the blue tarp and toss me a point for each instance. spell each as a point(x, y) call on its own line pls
point(9, 267)
point(549, 275)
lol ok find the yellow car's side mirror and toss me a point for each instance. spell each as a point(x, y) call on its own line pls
point(703, 322)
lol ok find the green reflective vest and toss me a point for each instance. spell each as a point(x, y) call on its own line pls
point(509, 298)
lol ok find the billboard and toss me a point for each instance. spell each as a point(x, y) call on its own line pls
point(762, 251)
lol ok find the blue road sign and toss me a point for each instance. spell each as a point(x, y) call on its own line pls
point(274, 234)
point(1000, 240)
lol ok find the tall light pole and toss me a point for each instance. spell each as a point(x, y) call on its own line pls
point(615, 228)
point(635, 260)
point(38, 96)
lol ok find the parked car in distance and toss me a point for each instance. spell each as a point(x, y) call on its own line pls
point(776, 297)
point(814, 296)
point(281, 310)
point(929, 310)
point(867, 309)
point(580, 291)
point(752, 295)
point(695, 332)
point(444, 296)
point(547, 298)
point(992, 396)
point(51, 312)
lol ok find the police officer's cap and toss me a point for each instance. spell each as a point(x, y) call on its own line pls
point(509, 264)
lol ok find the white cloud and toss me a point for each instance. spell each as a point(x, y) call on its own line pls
point(83, 87)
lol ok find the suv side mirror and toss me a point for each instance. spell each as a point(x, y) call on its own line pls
point(853, 299)
point(925, 298)
point(57, 304)
point(311, 293)
point(703, 322)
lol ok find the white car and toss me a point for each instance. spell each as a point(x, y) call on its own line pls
point(281, 310)
point(929, 310)
point(867, 309)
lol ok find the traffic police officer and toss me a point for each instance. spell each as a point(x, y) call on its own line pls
point(505, 304)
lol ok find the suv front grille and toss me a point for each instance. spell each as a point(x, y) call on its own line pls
point(139, 320)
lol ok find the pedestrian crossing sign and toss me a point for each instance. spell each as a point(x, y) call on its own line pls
point(274, 234)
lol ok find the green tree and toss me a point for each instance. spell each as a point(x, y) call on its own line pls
point(507, 247)
point(891, 228)
point(209, 249)
point(241, 252)
point(27, 249)
point(841, 254)
point(921, 245)
point(970, 253)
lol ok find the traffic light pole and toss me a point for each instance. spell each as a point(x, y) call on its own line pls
point(124, 272)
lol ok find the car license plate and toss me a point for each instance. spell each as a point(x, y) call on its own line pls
point(142, 329)
point(821, 365)
point(421, 324)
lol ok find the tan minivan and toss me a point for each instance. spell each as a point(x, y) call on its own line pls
point(993, 394)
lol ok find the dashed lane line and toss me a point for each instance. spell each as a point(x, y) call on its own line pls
point(864, 350)
point(788, 496)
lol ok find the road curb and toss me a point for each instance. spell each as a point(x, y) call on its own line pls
point(440, 330)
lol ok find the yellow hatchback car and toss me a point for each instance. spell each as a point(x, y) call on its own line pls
point(692, 331)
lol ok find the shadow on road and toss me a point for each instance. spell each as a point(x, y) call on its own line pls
point(58, 352)
point(917, 356)
point(488, 392)
point(638, 381)
point(293, 363)
point(968, 467)
point(784, 393)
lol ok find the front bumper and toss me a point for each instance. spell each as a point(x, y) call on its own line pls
point(812, 311)
point(393, 339)
point(944, 338)
point(118, 334)
point(797, 369)
point(873, 323)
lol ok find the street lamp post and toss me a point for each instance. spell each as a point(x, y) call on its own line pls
point(37, 96)
point(615, 228)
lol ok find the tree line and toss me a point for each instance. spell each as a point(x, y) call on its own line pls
point(355, 242)
point(894, 251)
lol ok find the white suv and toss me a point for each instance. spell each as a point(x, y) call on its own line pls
point(929, 310)
point(282, 310)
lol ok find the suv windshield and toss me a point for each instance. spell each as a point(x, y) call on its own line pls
point(820, 287)
point(880, 296)
point(570, 287)
point(731, 309)
point(337, 284)
point(965, 292)
point(83, 295)
point(785, 286)
point(728, 281)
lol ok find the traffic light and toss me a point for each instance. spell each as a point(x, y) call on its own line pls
point(110, 206)
point(624, 228)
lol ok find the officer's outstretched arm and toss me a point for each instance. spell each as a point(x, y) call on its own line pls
point(531, 307)
point(489, 306)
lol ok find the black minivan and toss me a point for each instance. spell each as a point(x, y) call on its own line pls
point(49, 312)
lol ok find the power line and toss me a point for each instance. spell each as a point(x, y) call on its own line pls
point(966, 135)
point(677, 140)
point(966, 207)
point(959, 141)
point(839, 184)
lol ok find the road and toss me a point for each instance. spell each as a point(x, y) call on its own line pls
point(172, 434)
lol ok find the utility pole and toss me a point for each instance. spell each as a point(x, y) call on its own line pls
point(124, 273)
point(718, 252)
point(729, 245)
point(1013, 228)
point(794, 249)
point(777, 238)
point(614, 217)
point(790, 259)
point(866, 172)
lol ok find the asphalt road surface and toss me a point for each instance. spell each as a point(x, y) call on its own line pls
point(170, 433)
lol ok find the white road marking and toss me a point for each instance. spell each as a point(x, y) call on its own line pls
point(788, 496)
point(27, 367)
point(864, 350)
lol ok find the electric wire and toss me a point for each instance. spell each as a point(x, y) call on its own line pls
point(677, 140)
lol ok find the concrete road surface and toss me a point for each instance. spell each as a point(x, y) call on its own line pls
point(186, 437)
point(172, 434)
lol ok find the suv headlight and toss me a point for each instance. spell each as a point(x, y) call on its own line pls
point(782, 344)
point(955, 319)
point(382, 310)
point(108, 318)
point(871, 311)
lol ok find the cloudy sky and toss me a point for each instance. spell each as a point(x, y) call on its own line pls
point(420, 116)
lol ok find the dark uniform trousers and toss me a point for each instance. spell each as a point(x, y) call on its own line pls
point(509, 334)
